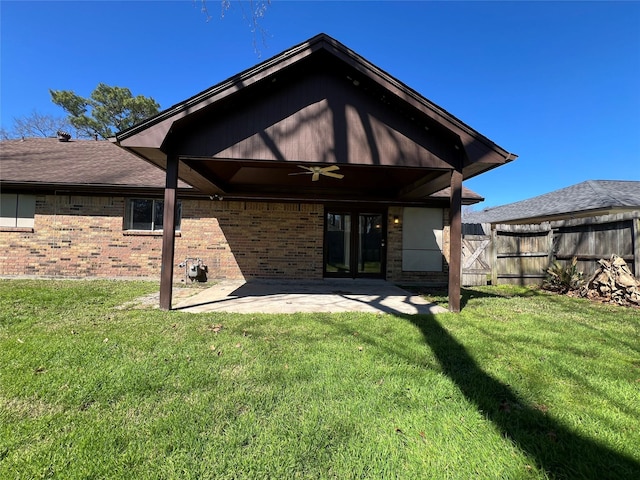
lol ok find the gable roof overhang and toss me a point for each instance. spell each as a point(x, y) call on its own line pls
point(316, 104)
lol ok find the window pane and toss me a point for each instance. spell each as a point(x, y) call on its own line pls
point(8, 209)
point(158, 215)
point(141, 214)
point(26, 211)
point(147, 214)
point(338, 238)
point(370, 243)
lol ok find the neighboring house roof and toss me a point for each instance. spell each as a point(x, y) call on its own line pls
point(593, 197)
point(41, 163)
point(47, 162)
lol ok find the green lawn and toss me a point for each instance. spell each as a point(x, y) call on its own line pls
point(521, 384)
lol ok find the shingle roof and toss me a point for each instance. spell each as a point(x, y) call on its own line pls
point(76, 162)
point(469, 197)
point(592, 195)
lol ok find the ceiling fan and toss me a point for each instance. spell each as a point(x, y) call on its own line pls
point(315, 172)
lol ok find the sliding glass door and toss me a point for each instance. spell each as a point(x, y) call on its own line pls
point(354, 243)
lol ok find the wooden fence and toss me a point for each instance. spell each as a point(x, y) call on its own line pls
point(520, 254)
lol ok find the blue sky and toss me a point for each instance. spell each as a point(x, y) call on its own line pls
point(557, 83)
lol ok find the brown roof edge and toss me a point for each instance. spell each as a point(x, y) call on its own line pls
point(90, 189)
point(412, 94)
point(273, 64)
point(186, 105)
point(469, 197)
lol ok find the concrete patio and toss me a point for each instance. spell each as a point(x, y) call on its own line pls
point(329, 295)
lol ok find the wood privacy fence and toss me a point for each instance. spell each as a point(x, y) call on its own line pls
point(520, 254)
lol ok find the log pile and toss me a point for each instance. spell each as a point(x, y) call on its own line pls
point(613, 282)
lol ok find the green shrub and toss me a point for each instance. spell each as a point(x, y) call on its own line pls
point(562, 278)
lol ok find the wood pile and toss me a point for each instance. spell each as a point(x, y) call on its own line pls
point(613, 282)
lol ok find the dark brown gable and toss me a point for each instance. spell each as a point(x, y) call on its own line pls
point(318, 103)
point(316, 119)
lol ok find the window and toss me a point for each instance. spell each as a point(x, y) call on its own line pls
point(147, 214)
point(17, 210)
point(422, 239)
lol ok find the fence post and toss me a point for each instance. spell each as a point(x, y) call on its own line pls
point(635, 222)
point(552, 255)
point(494, 255)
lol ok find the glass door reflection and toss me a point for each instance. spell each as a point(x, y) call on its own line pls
point(370, 243)
point(338, 243)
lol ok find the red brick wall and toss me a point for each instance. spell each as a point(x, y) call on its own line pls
point(83, 236)
point(252, 239)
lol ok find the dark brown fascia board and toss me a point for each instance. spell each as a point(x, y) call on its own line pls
point(207, 184)
point(471, 200)
point(111, 190)
point(88, 189)
point(428, 202)
point(215, 93)
point(412, 97)
point(165, 119)
point(425, 186)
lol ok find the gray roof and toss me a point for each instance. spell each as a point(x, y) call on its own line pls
point(592, 196)
point(47, 161)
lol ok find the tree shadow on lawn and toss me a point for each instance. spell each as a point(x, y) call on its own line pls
point(559, 451)
point(467, 294)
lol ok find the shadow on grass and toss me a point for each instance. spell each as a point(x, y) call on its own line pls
point(467, 294)
point(555, 448)
point(559, 451)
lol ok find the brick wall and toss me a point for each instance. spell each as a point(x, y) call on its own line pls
point(253, 239)
point(82, 236)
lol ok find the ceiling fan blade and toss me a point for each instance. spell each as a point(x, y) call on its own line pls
point(315, 171)
point(334, 175)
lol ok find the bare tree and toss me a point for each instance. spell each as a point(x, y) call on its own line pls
point(253, 11)
point(35, 124)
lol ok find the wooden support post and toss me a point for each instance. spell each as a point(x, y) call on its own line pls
point(635, 229)
point(169, 232)
point(455, 240)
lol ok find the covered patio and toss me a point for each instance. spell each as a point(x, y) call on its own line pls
point(317, 124)
point(292, 296)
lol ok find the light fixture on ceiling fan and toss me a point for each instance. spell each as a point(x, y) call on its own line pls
point(315, 172)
